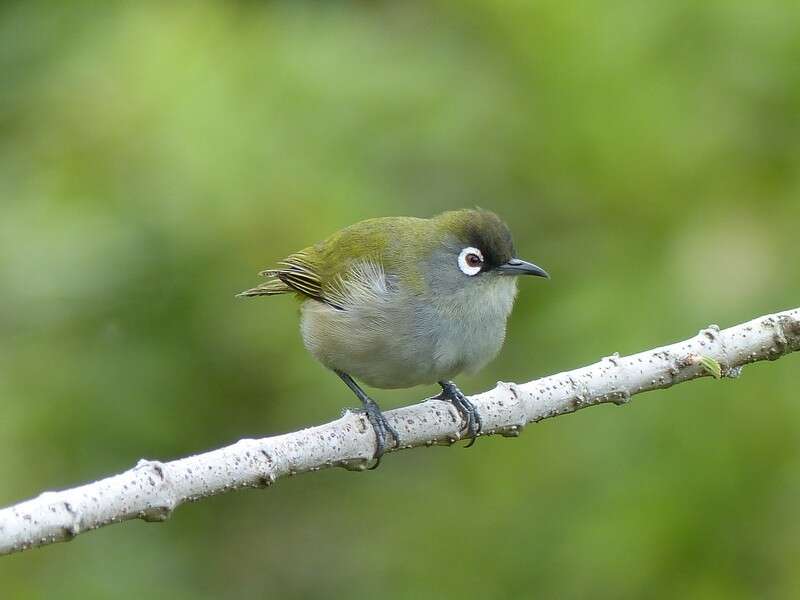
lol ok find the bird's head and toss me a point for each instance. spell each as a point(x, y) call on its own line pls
point(478, 247)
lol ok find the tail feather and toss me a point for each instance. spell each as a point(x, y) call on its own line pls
point(272, 287)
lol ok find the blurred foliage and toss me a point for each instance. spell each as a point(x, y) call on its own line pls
point(155, 156)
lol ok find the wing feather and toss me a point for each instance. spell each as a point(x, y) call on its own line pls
point(371, 248)
point(296, 273)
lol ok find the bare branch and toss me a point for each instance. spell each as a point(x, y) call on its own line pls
point(152, 490)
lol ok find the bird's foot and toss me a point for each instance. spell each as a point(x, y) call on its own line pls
point(381, 427)
point(379, 423)
point(465, 408)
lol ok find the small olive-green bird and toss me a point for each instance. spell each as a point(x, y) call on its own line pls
point(399, 301)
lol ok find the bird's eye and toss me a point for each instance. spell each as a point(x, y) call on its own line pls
point(470, 261)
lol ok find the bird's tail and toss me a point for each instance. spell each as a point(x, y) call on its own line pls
point(272, 287)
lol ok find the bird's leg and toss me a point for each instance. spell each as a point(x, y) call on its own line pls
point(465, 408)
point(375, 416)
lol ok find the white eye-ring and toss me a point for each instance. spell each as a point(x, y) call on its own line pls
point(470, 261)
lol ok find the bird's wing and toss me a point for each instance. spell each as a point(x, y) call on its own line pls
point(299, 274)
point(371, 248)
point(296, 273)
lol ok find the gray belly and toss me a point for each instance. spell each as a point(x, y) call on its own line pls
point(397, 342)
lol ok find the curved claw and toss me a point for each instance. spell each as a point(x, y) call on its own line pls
point(381, 426)
point(379, 423)
point(465, 408)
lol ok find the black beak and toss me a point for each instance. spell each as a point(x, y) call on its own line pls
point(520, 267)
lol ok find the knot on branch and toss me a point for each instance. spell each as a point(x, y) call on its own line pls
point(507, 410)
point(164, 503)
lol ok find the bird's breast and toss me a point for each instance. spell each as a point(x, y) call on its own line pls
point(470, 327)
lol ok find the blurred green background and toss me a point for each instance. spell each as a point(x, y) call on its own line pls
point(155, 156)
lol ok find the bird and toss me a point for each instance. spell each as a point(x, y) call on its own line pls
point(396, 302)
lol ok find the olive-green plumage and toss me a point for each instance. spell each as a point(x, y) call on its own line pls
point(402, 301)
point(319, 270)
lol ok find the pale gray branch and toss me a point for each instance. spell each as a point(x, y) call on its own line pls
point(152, 490)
